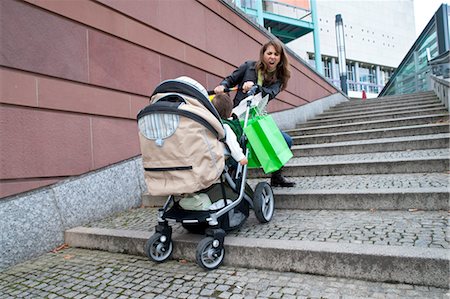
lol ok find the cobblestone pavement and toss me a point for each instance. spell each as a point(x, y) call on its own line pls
point(80, 273)
point(396, 228)
point(378, 157)
point(431, 181)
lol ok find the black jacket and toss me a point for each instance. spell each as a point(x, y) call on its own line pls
point(247, 72)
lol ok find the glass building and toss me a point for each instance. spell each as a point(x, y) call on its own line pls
point(429, 55)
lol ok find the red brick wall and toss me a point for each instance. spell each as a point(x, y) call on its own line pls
point(76, 72)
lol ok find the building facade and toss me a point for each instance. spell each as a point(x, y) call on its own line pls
point(377, 36)
point(74, 74)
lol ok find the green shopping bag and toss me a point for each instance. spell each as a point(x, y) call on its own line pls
point(253, 161)
point(267, 143)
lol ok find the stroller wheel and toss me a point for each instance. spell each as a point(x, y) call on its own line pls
point(209, 254)
point(263, 202)
point(158, 248)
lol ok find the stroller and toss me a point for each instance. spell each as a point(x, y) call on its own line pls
point(181, 137)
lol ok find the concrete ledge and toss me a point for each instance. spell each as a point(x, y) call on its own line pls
point(34, 222)
point(360, 167)
point(373, 146)
point(331, 137)
point(379, 104)
point(401, 199)
point(112, 240)
point(288, 119)
point(419, 266)
point(367, 125)
point(442, 87)
point(372, 117)
point(397, 199)
point(387, 111)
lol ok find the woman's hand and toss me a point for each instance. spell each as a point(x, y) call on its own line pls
point(219, 89)
point(247, 86)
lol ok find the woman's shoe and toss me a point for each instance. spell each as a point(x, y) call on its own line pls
point(277, 180)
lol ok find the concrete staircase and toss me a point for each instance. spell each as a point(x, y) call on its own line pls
point(371, 200)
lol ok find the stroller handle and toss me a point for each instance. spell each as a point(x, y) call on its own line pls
point(211, 92)
point(253, 90)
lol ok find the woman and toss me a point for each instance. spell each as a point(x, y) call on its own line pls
point(271, 74)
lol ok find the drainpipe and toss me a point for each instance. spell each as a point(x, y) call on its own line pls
point(341, 53)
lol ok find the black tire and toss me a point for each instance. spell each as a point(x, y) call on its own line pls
point(157, 248)
point(263, 202)
point(208, 257)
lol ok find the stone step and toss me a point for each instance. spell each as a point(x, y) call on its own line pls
point(368, 114)
point(367, 125)
point(367, 106)
point(411, 130)
point(418, 161)
point(424, 191)
point(398, 98)
point(371, 117)
point(383, 101)
point(408, 143)
point(385, 246)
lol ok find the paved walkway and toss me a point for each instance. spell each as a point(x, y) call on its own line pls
point(396, 228)
point(79, 273)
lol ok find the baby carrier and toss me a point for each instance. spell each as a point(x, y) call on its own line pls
point(181, 136)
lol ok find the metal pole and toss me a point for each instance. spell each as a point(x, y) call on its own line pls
point(317, 54)
point(341, 53)
point(259, 8)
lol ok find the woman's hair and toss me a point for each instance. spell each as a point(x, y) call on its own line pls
point(283, 74)
point(223, 104)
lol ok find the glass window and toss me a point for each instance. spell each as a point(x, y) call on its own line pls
point(412, 74)
point(351, 74)
point(327, 70)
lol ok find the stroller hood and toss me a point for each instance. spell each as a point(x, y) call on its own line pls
point(180, 139)
point(189, 87)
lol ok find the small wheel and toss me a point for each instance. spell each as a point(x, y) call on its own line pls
point(158, 248)
point(208, 256)
point(263, 202)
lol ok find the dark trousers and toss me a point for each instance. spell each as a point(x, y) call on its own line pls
point(287, 138)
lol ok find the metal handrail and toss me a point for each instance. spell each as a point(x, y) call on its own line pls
point(440, 65)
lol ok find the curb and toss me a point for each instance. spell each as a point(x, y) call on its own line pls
point(428, 267)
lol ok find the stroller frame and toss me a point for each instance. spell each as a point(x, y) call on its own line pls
point(210, 250)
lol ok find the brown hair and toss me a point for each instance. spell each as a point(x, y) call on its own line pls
point(223, 104)
point(283, 74)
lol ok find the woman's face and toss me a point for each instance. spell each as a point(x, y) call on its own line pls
point(271, 58)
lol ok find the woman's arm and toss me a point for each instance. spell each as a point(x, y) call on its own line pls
point(236, 77)
point(271, 90)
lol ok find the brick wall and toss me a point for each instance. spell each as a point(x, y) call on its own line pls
point(75, 73)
